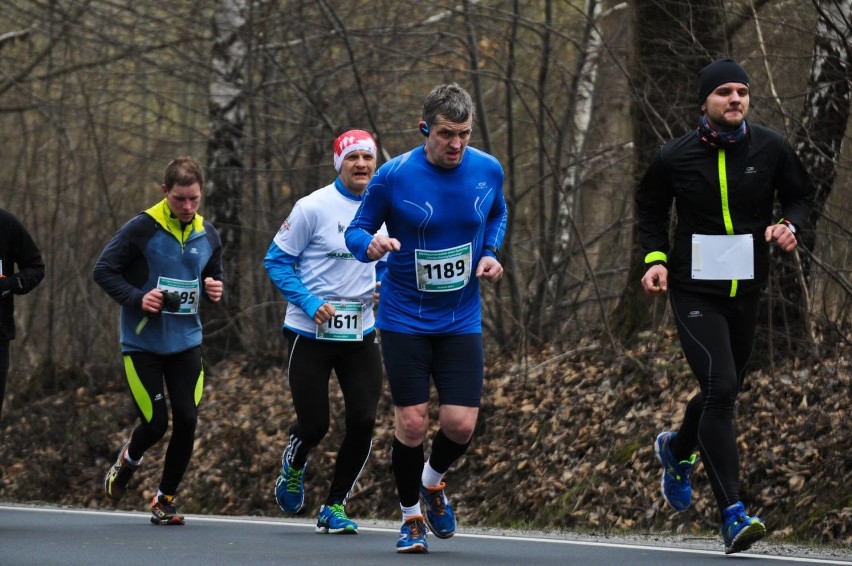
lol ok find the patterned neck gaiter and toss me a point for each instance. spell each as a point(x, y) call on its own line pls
point(715, 139)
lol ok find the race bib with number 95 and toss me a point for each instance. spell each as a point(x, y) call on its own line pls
point(188, 290)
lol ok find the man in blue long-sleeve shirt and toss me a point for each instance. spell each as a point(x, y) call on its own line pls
point(445, 214)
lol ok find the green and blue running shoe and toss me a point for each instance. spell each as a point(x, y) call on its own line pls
point(290, 486)
point(439, 512)
point(675, 483)
point(412, 537)
point(739, 530)
point(332, 519)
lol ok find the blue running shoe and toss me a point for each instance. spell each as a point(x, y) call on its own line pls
point(439, 512)
point(412, 537)
point(333, 519)
point(739, 530)
point(290, 487)
point(675, 483)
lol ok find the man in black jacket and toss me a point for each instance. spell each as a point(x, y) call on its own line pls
point(16, 249)
point(724, 178)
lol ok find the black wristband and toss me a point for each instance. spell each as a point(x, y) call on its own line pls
point(493, 250)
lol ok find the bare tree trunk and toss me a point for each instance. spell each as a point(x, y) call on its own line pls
point(541, 300)
point(818, 143)
point(826, 110)
point(508, 332)
point(575, 128)
point(225, 155)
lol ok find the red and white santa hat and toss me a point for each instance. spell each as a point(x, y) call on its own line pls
point(353, 140)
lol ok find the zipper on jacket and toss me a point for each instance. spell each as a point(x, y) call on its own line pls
point(177, 228)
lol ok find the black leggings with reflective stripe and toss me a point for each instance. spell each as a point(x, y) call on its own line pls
point(717, 335)
point(149, 376)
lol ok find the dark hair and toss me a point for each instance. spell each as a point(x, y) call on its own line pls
point(450, 101)
point(184, 171)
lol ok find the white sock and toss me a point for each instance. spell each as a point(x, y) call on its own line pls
point(130, 460)
point(430, 477)
point(413, 511)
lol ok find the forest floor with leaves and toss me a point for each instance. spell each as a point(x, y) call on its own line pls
point(564, 442)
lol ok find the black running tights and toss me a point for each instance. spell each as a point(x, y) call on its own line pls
point(717, 335)
point(358, 367)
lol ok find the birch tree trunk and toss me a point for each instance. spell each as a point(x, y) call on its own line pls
point(575, 128)
point(826, 110)
point(225, 166)
point(825, 115)
point(559, 238)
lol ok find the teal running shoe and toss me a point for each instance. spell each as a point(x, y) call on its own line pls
point(439, 512)
point(412, 537)
point(332, 519)
point(739, 530)
point(675, 483)
point(290, 486)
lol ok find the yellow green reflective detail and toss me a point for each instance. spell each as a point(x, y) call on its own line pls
point(140, 394)
point(656, 256)
point(141, 325)
point(199, 387)
point(723, 186)
point(726, 211)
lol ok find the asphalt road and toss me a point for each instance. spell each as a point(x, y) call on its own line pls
point(36, 535)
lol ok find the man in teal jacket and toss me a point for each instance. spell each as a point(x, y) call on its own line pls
point(158, 266)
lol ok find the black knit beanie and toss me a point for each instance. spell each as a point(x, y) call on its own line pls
point(718, 73)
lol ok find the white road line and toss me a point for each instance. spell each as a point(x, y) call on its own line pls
point(311, 525)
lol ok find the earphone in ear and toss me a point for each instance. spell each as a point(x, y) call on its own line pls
point(424, 129)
